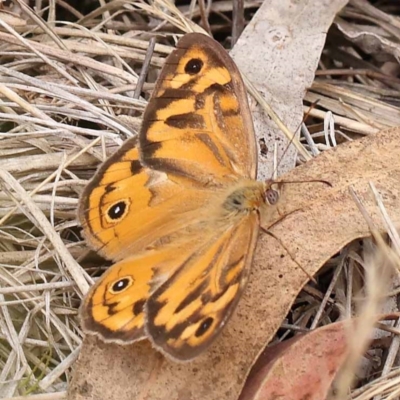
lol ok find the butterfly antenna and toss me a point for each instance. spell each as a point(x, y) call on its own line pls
point(277, 164)
point(309, 181)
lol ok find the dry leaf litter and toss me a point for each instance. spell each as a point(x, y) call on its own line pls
point(69, 98)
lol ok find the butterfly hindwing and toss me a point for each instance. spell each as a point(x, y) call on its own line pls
point(114, 308)
point(187, 312)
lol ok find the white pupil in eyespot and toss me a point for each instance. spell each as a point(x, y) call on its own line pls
point(121, 285)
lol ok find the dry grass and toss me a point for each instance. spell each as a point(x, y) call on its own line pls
point(68, 99)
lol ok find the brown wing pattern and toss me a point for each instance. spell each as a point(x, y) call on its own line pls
point(128, 208)
point(187, 312)
point(198, 123)
point(156, 207)
point(114, 308)
point(180, 295)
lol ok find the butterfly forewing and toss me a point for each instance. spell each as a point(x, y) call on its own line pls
point(127, 207)
point(198, 123)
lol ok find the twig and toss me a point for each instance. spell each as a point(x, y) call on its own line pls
point(145, 68)
point(237, 20)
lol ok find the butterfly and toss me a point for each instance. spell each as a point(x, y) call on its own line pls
point(178, 209)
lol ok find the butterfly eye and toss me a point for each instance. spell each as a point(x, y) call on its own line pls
point(117, 211)
point(121, 284)
point(272, 196)
point(193, 66)
point(204, 327)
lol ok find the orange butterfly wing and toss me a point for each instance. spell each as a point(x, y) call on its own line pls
point(163, 209)
point(187, 312)
point(198, 123)
point(127, 208)
point(113, 309)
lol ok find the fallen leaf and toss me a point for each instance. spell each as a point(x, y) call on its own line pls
point(369, 42)
point(314, 212)
point(279, 52)
point(299, 368)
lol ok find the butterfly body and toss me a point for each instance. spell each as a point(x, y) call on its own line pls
point(247, 196)
point(178, 210)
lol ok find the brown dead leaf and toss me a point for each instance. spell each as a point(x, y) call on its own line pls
point(300, 368)
point(319, 221)
point(304, 367)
